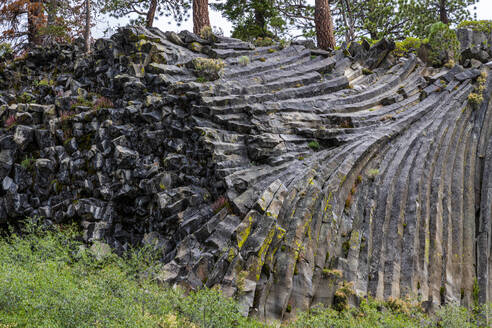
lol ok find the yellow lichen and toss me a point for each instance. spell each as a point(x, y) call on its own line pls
point(244, 234)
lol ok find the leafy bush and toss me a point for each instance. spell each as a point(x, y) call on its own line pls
point(409, 45)
point(480, 25)
point(444, 44)
point(48, 278)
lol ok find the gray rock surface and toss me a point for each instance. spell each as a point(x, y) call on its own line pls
point(278, 181)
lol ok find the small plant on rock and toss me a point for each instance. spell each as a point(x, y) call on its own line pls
point(340, 300)
point(243, 61)
point(207, 34)
point(208, 68)
point(220, 203)
point(372, 173)
point(263, 42)
point(103, 102)
point(314, 145)
point(10, 121)
point(475, 99)
point(66, 115)
point(27, 163)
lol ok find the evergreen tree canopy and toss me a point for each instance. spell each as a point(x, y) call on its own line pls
point(26, 23)
point(146, 9)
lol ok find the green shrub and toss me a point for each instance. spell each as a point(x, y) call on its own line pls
point(314, 145)
point(243, 61)
point(263, 42)
point(372, 173)
point(27, 163)
point(6, 50)
point(207, 34)
point(409, 45)
point(50, 279)
point(208, 68)
point(444, 44)
point(475, 99)
point(484, 26)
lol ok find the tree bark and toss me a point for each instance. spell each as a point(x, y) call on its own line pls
point(87, 30)
point(260, 21)
point(443, 13)
point(324, 25)
point(52, 8)
point(200, 15)
point(34, 22)
point(149, 22)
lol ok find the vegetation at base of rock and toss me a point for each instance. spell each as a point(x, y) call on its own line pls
point(391, 314)
point(50, 279)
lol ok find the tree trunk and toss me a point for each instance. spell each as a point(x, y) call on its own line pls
point(350, 17)
point(260, 21)
point(34, 22)
point(87, 30)
point(324, 25)
point(149, 22)
point(443, 13)
point(52, 8)
point(200, 15)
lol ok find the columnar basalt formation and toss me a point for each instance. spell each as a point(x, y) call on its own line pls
point(297, 171)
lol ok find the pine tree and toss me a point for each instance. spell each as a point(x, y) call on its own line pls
point(27, 23)
point(324, 25)
point(200, 15)
point(146, 10)
point(423, 13)
point(254, 18)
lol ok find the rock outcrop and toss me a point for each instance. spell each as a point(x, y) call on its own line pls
point(296, 172)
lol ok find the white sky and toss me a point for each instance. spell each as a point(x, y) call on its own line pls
point(483, 11)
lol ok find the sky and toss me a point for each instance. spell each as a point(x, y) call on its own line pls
point(483, 11)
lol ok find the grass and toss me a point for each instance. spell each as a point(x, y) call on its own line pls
point(49, 279)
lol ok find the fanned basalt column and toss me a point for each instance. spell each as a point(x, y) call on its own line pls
point(288, 177)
